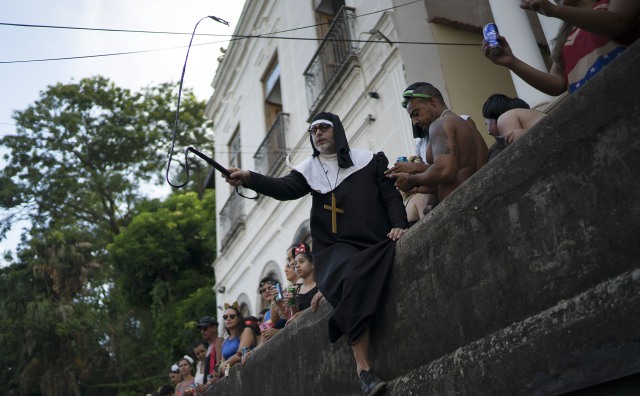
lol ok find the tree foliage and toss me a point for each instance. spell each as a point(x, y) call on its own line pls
point(49, 327)
point(162, 265)
point(83, 150)
point(159, 244)
point(73, 319)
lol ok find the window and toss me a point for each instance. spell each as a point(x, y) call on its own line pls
point(325, 11)
point(234, 150)
point(272, 93)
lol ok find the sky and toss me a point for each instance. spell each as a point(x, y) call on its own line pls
point(21, 83)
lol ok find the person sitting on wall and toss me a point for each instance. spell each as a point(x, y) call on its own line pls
point(307, 291)
point(592, 35)
point(282, 309)
point(512, 124)
point(199, 349)
point(208, 327)
point(415, 203)
point(421, 135)
point(239, 337)
point(270, 325)
point(452, 149)
point(174, 374)
point(356, 217)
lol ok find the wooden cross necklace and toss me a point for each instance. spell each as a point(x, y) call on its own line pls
point(333, 208)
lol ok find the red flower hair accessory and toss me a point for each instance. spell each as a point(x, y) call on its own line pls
point(300, 249)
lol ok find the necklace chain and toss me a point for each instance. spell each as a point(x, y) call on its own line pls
point(325, 175)
point(445, 110)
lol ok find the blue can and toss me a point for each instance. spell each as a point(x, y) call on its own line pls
point(490, 33)
point(402, 159)
point(279, 295)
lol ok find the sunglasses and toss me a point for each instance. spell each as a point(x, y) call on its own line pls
point(313, 129)
point(408, 95)
point(230, 316)
point(262, 290)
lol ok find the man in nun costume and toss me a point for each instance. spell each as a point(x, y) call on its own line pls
point(356, 217)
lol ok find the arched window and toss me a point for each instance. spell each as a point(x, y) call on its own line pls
point(303, 234)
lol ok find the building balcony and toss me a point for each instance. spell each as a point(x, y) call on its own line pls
point(272, 152)
point(232, 219)
point(331, 62)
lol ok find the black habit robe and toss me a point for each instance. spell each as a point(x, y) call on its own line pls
point(351, 266)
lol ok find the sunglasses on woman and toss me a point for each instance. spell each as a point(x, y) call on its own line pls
point(230, 316)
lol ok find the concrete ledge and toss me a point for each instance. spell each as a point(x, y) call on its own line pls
point(542, 243)
point(555, 351)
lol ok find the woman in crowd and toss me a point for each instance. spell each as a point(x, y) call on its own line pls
point(253, 323)
point(279, 311)
point(307, 290)
point(592, 35)
point(414, 202)
point(239, 336)
point(290, 266)
point(174, 374)
point(305, 270)
point(265, 289)
point(187, 385)
point(507, 119)
point(199, 349)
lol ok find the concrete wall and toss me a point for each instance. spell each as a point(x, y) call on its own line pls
point(526, 280)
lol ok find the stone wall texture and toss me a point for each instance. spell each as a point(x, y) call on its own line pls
point(524, 281)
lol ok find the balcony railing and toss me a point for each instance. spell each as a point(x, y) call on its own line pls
point(273, 150)
point(334, 53)
point(232, 219)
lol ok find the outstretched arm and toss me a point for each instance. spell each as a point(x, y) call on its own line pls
point(291, 186)
point(552, 83)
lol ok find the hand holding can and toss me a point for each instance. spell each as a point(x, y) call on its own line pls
point(490, 33)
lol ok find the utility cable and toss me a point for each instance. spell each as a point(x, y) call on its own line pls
point(210, 161)
point(232, 38)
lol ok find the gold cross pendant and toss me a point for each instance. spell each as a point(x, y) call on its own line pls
point(334, 210)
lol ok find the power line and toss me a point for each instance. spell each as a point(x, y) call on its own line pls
point(238, 38)
point(28, 25)
point(188, 33)
point(102, 55)
point(232, 38)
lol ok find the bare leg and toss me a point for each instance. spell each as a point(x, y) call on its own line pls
point(360, 352)
point(370, 384)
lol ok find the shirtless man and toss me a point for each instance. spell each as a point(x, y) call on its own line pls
point(452, 152)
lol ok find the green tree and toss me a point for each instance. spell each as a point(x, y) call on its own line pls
point(153, 252)
point(49, 317)
point(82, 152)
point(163, 281)
point(76, 168)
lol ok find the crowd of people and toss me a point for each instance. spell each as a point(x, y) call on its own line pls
point(361, 206)
point(210, 357)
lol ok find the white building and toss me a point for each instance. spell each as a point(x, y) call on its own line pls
point(354, 60)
